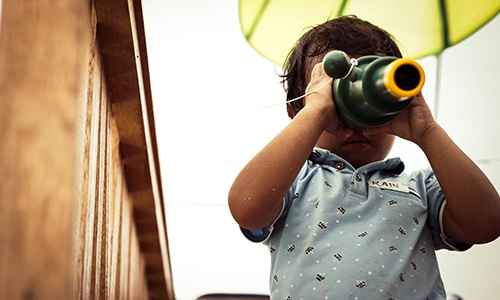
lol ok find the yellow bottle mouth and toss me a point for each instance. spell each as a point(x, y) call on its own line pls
point(404, 78)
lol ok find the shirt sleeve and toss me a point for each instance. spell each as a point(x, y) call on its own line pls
point(436, 205)
point(261, 235)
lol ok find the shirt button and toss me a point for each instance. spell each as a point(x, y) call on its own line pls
point(358, 177)
point(339, 165)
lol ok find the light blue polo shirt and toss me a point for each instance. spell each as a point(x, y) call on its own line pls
point(367, 233)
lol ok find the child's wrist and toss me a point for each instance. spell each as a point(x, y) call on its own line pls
point(322, 115)
point(430, 136)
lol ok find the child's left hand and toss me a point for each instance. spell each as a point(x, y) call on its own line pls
point(412, 123)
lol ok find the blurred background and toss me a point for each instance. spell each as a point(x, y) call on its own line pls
point(217, 102)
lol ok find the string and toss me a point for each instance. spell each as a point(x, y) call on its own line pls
point(354, 63)
point(294, 99)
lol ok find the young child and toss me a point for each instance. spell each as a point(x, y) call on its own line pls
point(339, 220)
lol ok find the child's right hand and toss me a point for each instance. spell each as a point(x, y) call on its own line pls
point(322, 101)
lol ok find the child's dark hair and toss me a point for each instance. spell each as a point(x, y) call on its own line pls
point(347, 33)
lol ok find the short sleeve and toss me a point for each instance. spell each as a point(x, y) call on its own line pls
point(257, 236)
point(261, 235)
point(436, 205)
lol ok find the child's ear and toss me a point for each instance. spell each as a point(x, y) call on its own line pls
point(290, 111)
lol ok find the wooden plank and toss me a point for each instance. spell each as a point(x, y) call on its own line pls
point(80, 275)
point(65, 180)
point(41, 48)
point(121, 36)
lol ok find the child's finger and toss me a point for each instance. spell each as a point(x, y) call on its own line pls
point(318, 74)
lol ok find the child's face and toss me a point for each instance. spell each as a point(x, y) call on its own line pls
point(357, 148)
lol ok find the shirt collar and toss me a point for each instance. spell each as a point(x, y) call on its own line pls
point(393, 165)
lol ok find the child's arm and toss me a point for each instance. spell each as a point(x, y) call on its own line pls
point(256, 196)
point(472, 212)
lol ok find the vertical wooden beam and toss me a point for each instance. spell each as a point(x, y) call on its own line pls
point(121, 37)
point(42, 44)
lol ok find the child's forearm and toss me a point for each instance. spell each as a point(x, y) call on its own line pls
point(472, 212)
point(256, 196)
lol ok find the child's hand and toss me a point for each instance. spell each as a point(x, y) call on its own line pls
point(413, 123)
point(322, 100)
